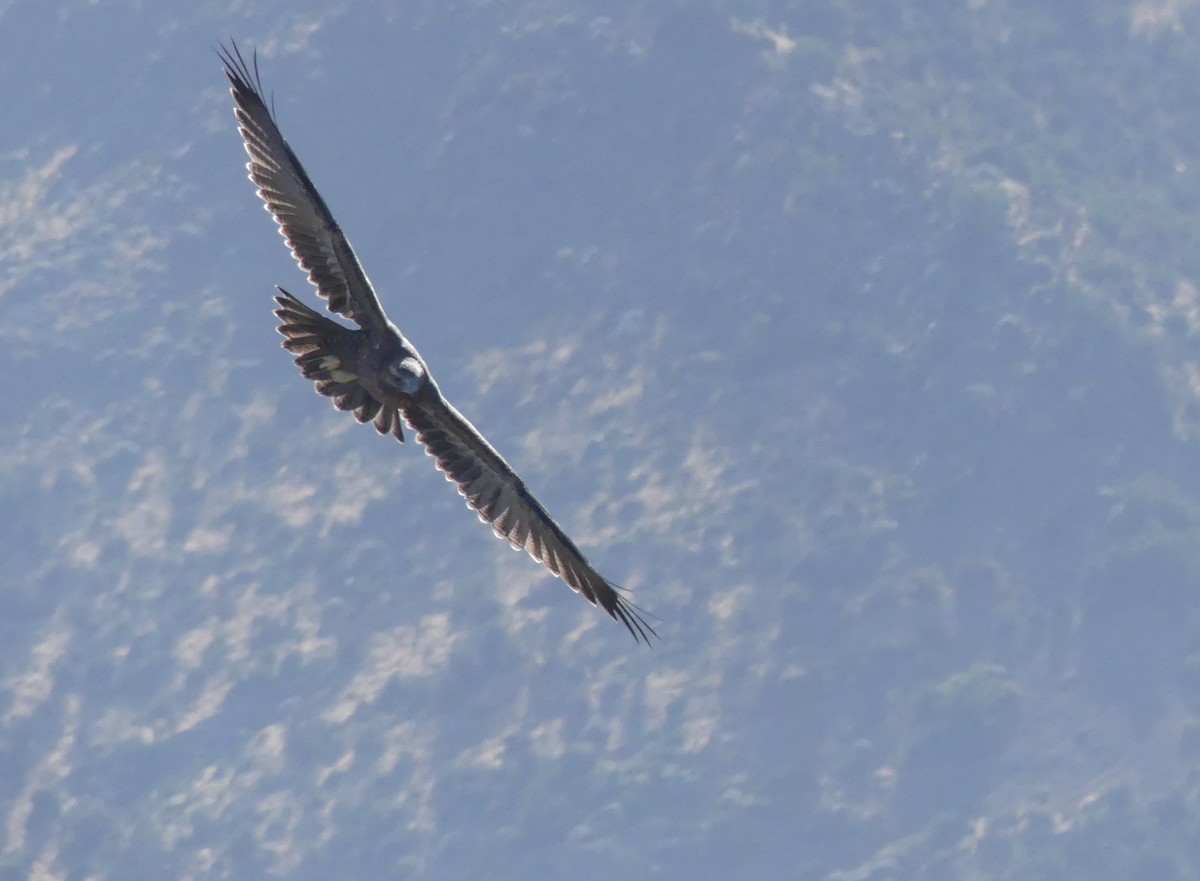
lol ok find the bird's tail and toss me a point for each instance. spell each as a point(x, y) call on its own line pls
point(326, 353)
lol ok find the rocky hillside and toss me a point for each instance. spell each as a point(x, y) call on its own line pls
point(855, 339)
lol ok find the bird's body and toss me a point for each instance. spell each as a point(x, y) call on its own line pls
point(377, 374)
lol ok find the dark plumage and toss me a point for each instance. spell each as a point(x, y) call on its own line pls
point(378, 375)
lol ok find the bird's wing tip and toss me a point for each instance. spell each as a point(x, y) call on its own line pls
point(634, 619)
point(243, 76)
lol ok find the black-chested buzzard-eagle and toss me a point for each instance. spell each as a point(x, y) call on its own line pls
point(375, 372)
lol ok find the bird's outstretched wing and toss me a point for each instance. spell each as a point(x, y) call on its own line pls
point(499, 497)
point(304, 219)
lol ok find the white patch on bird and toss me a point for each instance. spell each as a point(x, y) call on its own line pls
point(329, 362)
point(342, 375)
point(408, 373)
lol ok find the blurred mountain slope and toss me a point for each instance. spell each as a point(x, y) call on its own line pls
point(857, 341)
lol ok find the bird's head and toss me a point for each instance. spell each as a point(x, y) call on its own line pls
point(406, 374)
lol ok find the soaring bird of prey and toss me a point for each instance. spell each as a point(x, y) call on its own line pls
point(377, 374)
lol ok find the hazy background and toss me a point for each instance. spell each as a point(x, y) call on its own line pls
point(858, 339)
